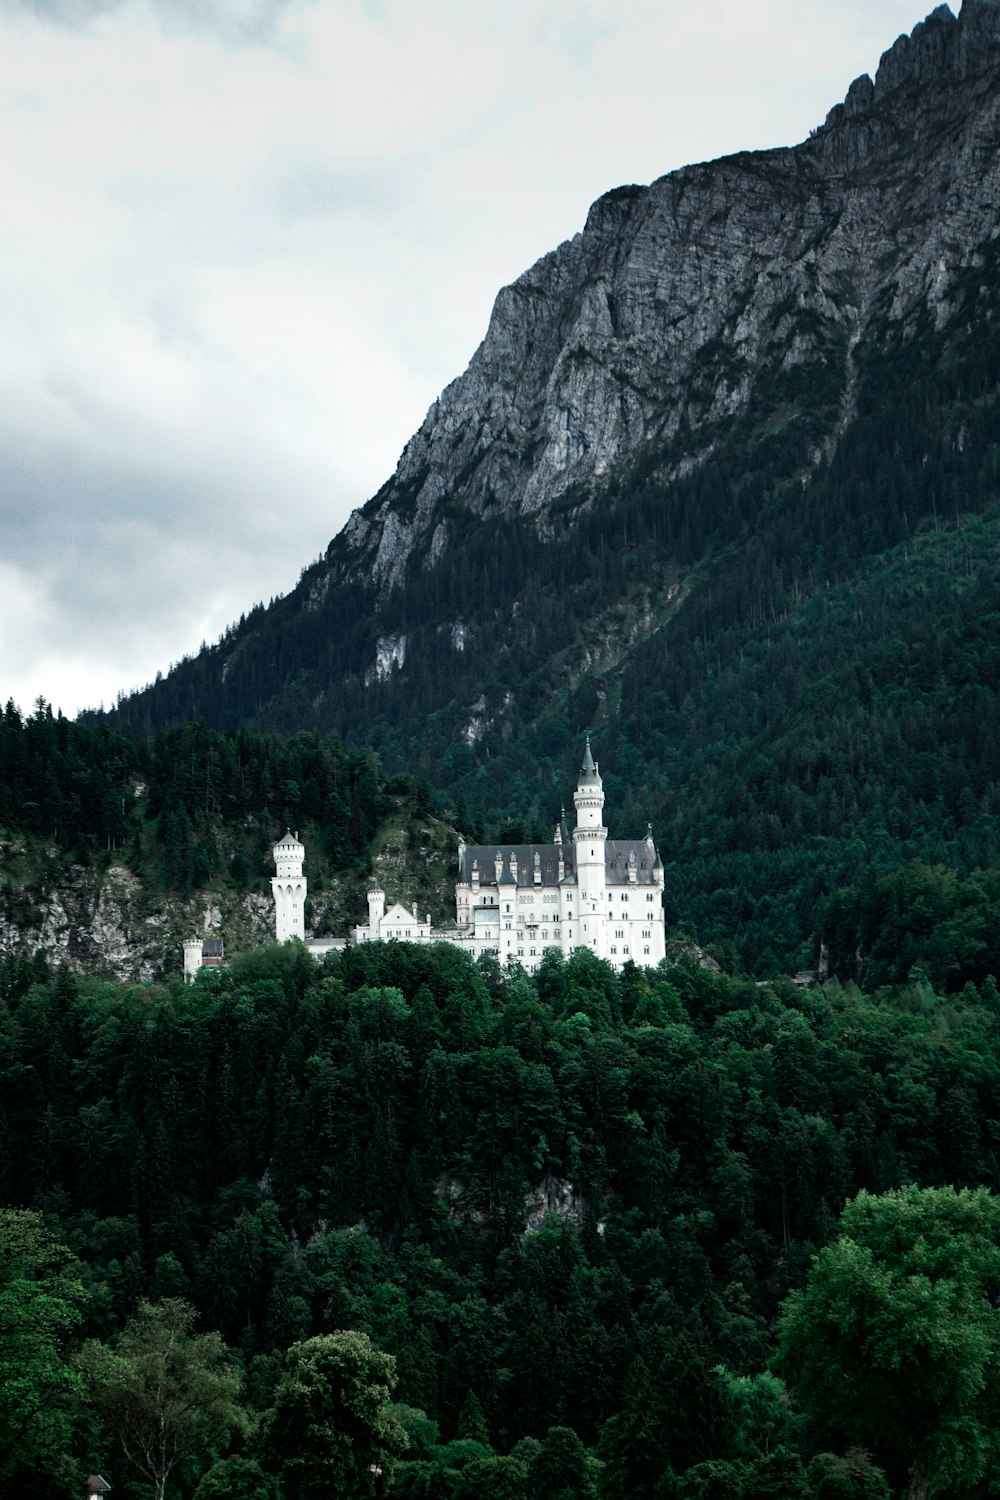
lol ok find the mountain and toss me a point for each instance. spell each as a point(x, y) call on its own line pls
point(721, 484)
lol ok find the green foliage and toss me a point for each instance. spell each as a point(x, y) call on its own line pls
point(163, 1393)
point(561, 1469)
point(331, 1430)
point(190, 807)
point(573, 1243)
point(851, 1477)
point(236, 1479)
point(895, 1343)
point(42, 1298)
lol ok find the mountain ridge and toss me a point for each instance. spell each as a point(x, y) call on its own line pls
point(577, 424)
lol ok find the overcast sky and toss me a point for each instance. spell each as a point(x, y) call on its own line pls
point(248, 241)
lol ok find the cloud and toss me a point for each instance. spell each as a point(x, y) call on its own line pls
point(234, 21)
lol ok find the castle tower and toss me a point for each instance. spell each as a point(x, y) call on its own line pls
point(376, 906)
point(192, 957)
point(289, 887)
point(589, 838)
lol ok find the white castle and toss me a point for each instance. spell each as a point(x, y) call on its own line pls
point(583, 890)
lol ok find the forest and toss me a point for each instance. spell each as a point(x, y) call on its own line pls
point(402, 1223)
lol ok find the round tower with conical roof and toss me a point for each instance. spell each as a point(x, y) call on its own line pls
point(289, 887)
point(376, 906)
point(589, 839)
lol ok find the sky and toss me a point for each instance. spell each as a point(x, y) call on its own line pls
point(247, 242)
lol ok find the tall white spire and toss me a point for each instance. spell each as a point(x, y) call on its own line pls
point(589, 838)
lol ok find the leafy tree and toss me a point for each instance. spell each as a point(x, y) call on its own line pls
point(41, 1302)
point(236, 1479)
point(164, 1393)
point(494, 1478)
point(761, 1411)
point(894, 1342)
point(561, 1470)
point(331, 1430)
point(851, 1477)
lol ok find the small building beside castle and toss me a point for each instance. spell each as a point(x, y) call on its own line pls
point(583, 890)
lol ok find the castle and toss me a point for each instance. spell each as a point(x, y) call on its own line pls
point(583, 890)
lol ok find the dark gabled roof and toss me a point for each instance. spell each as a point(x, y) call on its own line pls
point(524, 857)
point(616, 858)
point(211, 948)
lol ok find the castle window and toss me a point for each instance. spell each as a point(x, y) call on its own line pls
point(646, 949)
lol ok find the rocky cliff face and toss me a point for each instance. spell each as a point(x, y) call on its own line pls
point(658, 322)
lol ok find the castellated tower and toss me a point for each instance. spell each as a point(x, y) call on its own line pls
point(192, 957)
point(589, 839)
point(289, 887)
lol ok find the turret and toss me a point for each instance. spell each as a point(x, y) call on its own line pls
point(192, 957)
point(376, 906)
point(289, 888)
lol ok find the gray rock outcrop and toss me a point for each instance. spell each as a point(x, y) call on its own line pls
point(655, 323)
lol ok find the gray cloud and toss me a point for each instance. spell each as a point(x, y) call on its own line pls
point(235, 21)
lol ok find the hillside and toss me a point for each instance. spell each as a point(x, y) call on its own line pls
point(112, 852)
point(700, 449)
